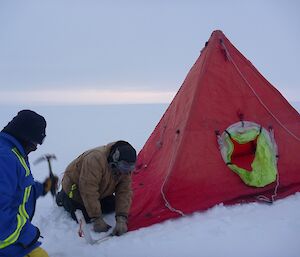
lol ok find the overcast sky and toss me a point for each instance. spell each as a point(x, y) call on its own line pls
point(70, 50)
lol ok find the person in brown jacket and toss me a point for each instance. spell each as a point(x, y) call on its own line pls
point(99, 182)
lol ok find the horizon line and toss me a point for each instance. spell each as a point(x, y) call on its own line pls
point(67, 97)
point(85, 97)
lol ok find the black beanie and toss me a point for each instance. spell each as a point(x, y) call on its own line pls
point(27, 126)
point(126, 151)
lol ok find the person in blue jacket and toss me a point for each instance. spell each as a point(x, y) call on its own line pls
point(18, 189)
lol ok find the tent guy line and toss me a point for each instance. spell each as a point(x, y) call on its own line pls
point(254, 92)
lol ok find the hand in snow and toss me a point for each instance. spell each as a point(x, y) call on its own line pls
point(100, 225)
point(121, 226)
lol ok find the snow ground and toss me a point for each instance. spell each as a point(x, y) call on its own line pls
point(248, 230)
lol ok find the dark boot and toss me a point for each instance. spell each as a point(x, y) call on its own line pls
point(62, 199)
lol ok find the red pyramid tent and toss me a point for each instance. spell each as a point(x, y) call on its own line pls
point(180, 169)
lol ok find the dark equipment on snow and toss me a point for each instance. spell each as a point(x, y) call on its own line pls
point(53, 178)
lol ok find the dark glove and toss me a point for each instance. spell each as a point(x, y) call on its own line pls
point(100, 225)
point(121, 226)
point(33, 241)
point(50, 184)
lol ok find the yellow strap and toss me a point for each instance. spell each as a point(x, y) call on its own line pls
point(14, 236)
point(22, 160)
point(71, 193)
point(22, 209)
point(22, 216)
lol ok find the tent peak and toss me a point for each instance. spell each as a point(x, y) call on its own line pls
point(217, 33)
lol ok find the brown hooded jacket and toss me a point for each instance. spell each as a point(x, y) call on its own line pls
point(95, 180)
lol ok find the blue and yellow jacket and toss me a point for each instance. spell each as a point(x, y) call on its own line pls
point(18, 194)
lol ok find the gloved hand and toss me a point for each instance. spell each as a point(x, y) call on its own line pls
point(100, 225)
point(121, 226)
point(50, 184)
point(27, 244)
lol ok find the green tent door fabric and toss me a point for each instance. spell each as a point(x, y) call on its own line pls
point(180, 169)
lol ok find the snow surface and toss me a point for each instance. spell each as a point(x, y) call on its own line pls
point(248, 230)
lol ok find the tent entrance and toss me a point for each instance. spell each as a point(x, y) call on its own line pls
point(243, 154)
point(250, 151)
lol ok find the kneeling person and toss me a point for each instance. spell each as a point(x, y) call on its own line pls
point(99, 182)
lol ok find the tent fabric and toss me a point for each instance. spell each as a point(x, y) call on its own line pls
point(180, 169)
